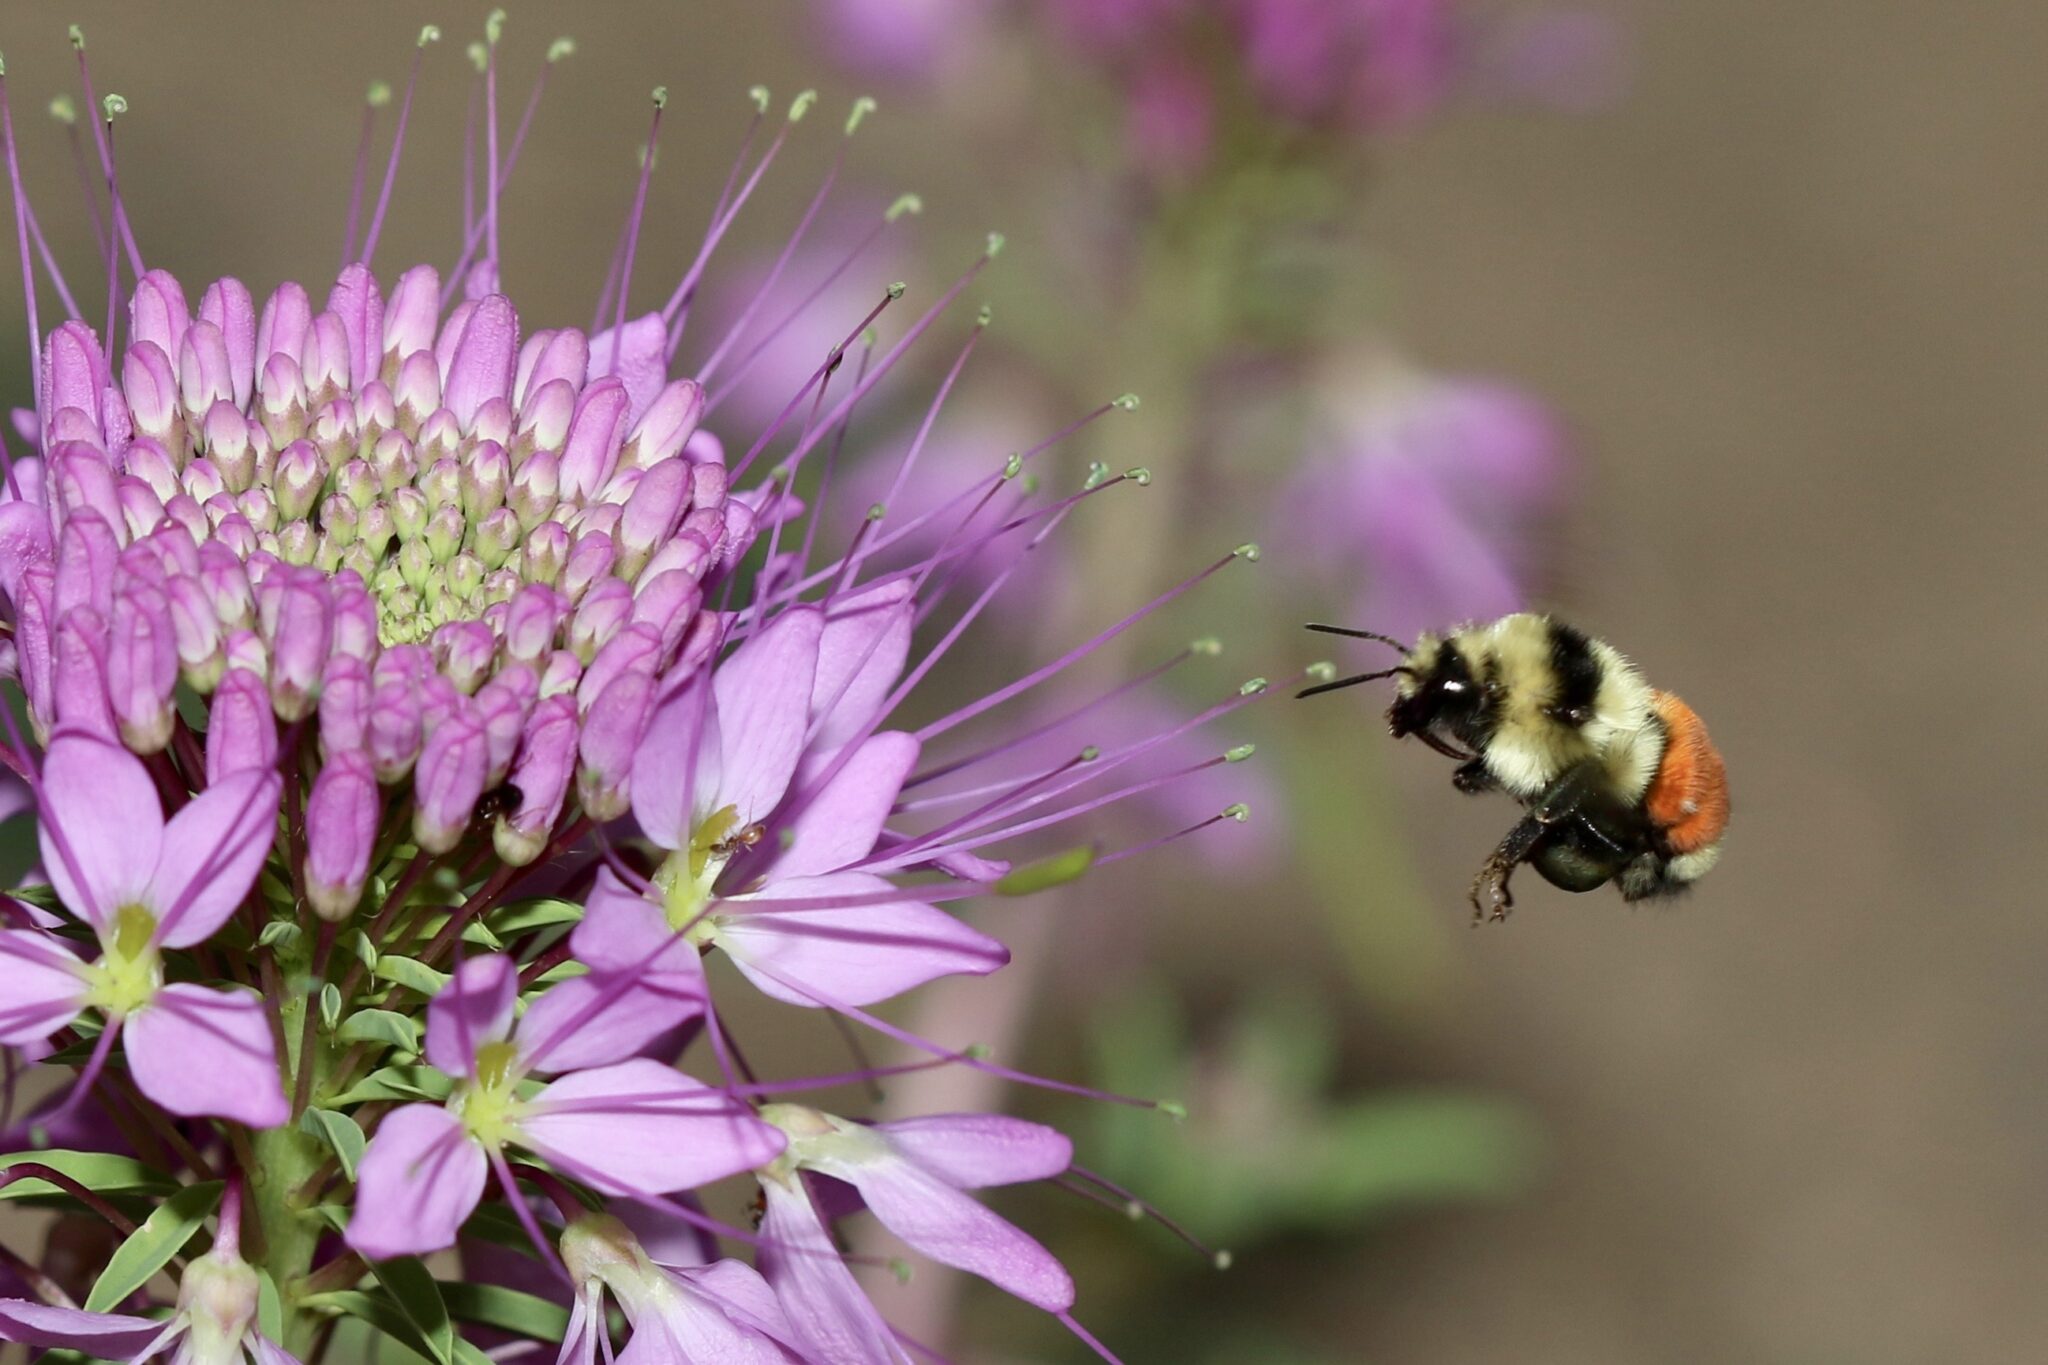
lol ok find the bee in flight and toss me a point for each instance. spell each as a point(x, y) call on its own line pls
point(1619, 781)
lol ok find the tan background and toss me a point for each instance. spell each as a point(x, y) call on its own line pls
point(1793, 296)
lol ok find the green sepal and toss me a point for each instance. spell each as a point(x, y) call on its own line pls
point(1046, 873)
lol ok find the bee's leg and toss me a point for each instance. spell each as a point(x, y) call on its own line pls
point(1491, 898)
point(1569, 791)
point(1474, 777)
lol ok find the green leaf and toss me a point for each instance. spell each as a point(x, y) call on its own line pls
point(97, 1171)
point(269, 1307)
point(400, 1083)
point(478, 933)
point(381, 1026)
point(412, 1288)
point(150, 1247)
point(414, 976)
point(283, 935)
point(338, 1131)
point(491, 1305)
point(522, 917)
point(1046, 873)
point(330, 1006)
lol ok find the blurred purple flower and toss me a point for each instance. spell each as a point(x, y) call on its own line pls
point(1370, 64)
point(902, 40)
point(1423, 498)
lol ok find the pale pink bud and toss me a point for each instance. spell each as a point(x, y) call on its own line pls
point(480, 368)
point(142, 667)
point(226, 436)
point(86, 554)
point(356, 301)
point(544, 418)
point(341, 832)
point(651, 513)
point(503, 704)
point(222, 574)
point(157, 313)
point(82, 480)
point(546, 761)
point(450, 777)
point(79, 672)
point(152, 388)
point(668, 425)
point(463, 652)
point(414, 311)
point(282, 399)
point(142, 511)
point(345, 705)
point(324, 359)
point(204, 375)
point(591, 451)
point(287, 317)
point(590, 562)
point(297, 478)
point(301, 631)
point(75, 373)
point(598, 617)
point(551, 356)
point(635, 649)
point(667, 603)
point(417, 389)
point(240, 731)
point(227, 305)
point(612, 730)
point(545, 553)
point(531, 618)
point(395, 730)
point(560, 673)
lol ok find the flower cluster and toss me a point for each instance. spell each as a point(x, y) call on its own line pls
point(415, 702)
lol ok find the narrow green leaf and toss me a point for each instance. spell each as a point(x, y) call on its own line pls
point(1046, 873)
point(339, 1132)
point(413, 1289)
point(395, 1083)
point(491, 1305)
point(150, 1247)
point(381, 1026)
point(269, 1307)
point(414, 976)
point(524, 917)
point(478, 933)
point(97, 1171)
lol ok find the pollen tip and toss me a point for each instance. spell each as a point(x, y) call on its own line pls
point(378, 95)
point(114, 105)
point(494, 26)
point(429, 33)
point(1240, 753)
point(1139, 475)
point(896, 290)
point(901, 1269)
point(1252, 687)
point(979, 1052)
point(905, 203)
point(877, 512)
point(995, 245)
point(479, 57)
point(781, 474)
point(1134, 1211)
point(38, 1137)
point(1097, 472)
point(985, 316)
point(1126, 402)
point(660, 97)
point(759, 95)
point(801, 105)
point(869, 336)
point(3, 68)
point(1237, 811)
point(1090, 754)
point(1030, 484)
point(1173, 1109)
point(561, 47)
point(1223, 1259)
point(1249, 552)
point(862, 107)
point(62, 108)
point(77, 38)
point(1013, 466)
point(1209, 645)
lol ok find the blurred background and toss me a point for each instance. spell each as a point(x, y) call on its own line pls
point(1716, 327)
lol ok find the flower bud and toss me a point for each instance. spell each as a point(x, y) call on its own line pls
point(651, 513)
point(530, 622)
point(549, 358)
point(598, 617)
point(297, 479)
point(298, 620)
point(560, 673)
point(341, 832)
point(282, 400)
point(667, 426)
point(395, 731)
point(324, 360)
point(75, 374)
point(503, 704)
point(452, 766)
point(444, 532)
point(413, 313)
point(463, 653)
point(345, 692)
point(82, 480)
point(546, 761)
point(441, 484)
point(376, 412)
point(356, 482)
point(590, 562)
point(240, 731)
point(287, 318)
point(544, 418)
point(142, 667)
point(227, 305)
point(485, 476)
point(591, 450)
point(685, 553)
point(204, 376)
point(86, 554)
point(356, 301)
point(612, 731)
point(632, 649)
point(492, 423)
point(481, 365)
point(545, 553)
point(416, 390)
point(157, 313)
point(142, 511)
point(151, 384)
point(334, 431)
point(667, 603)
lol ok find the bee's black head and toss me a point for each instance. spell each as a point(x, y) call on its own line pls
point(1448, 700)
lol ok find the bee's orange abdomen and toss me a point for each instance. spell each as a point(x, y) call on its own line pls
point(1688, 798)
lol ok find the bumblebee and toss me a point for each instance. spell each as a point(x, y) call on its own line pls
point(1619, 780)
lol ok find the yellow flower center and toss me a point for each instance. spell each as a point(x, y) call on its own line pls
point(128, 973)
point(489, 1107)
point(686, 878)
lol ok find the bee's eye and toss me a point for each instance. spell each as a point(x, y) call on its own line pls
point(1453, 686)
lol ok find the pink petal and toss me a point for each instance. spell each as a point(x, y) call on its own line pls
point(267, 1352)
point(642, 1127)
point(860, 656)
point(41, 986)
point(682, 739)
point(947, 1226)
point(102, 827)
point(841, 823)
point(763, 696)
point(98, 1334)
point(972, 1150)
point(203, 1052)
point(596, 1020)
point(421, 1177)
point(622, 930)
point(642, 363)
point(830, 1316)
point(472, 1009)
point(213, 851)
point(855, 955)
point(722, 1312)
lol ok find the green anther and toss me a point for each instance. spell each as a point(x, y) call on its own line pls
point(479, 57)
point(1240, 753)
point(862, 107)
point(1237, 811)
point(494, 1063)
point(1249, 552)
point(61, 108)
point(660, 97)
point(494, 26)
point(1252, 687)
point(1173, 1109)
point(115, 106)
point(1224, 1260)
point(1030, 484)
point(1097, 472)
point(1208, 645)
point(995, 245)
point(133, 929)
point(560, 48)
point(759, 95)
point(1134, 1211)
point(896, 290)
point(905, 203)
point(985, 316)
point(977, 1051)
point(1013, 466)
point(431, 33)
point(3, 64)
point(1090, 754)
point(1139, 475)
point(869, 337)
point(801, 105)
point(710, 837)
point(877, 512)
point(1126, 402)
point(379, 94)
point(781, 474)
point(77, 38)
point(901, 1269)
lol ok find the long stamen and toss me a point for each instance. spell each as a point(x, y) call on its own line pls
point(431, 33)
point(65, 112)
point(379, 95)
point(28, 278)
point(633, 222)
point(100, 140)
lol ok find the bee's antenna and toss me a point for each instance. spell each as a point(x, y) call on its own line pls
point(1352, 681)
point(1359, 635)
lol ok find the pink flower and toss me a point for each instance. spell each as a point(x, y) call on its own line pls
point(723, 1311)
